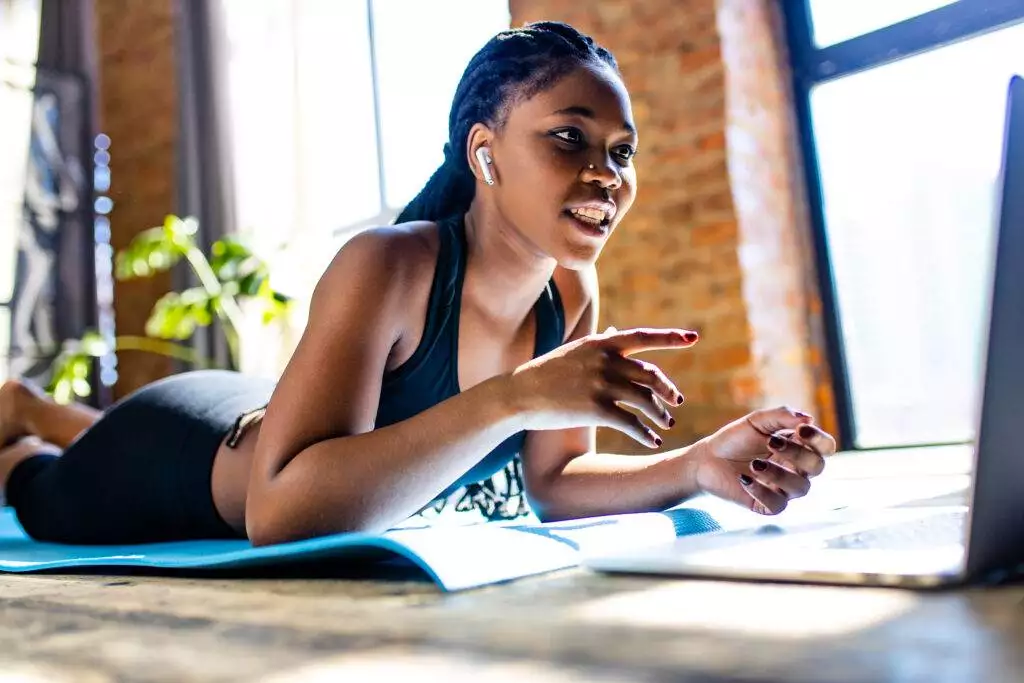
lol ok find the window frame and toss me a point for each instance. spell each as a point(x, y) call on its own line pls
point(386, 214)
point(811, 66)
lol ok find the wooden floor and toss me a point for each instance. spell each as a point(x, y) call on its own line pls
point(568, 626)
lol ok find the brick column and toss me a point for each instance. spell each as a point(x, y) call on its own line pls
point(689, 254)
point(779, 278)
point(138, 110)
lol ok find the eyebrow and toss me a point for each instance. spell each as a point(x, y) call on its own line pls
point(588, 113)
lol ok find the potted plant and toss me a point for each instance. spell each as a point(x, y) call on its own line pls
point(231, 275)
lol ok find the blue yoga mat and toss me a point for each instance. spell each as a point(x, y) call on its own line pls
point(455, 557)
point(19, 553)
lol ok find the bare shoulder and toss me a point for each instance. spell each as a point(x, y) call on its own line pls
point(579, 291)
point(389, 271)
point(388, 258)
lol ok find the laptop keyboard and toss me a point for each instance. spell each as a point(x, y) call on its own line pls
point(946, 528)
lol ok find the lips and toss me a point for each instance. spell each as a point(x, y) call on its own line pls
point(588, 226)
point(593, 213)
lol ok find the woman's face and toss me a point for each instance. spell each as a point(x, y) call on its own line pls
point(563, 162)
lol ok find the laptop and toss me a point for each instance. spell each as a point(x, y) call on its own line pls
point(914, 546)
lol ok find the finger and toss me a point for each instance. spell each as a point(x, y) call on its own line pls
point(817, 439)
point(642, 399)
point(648, 375)
point(631, 425)
point(763, 500)
point(650, 339)
point(770, 420)
point(790, 452)
point(772, 475)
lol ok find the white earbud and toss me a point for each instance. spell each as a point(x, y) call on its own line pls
point(483, 155)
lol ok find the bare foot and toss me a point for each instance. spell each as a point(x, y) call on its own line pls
point(12, 393)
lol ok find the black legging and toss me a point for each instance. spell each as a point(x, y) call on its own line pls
point(142, 472)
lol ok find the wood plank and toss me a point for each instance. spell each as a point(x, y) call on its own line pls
point(571, 625)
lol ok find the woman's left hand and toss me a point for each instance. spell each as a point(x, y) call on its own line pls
point(763, 460)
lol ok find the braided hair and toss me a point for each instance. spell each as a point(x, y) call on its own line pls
point(513, 66)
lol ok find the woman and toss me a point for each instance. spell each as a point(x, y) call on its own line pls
point(437, 349)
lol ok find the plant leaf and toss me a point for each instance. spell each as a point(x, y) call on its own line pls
point(177, 314)
point(93, 344)
point(81, 387)
point(272, 304)
point(151, 251)
point(62, 392)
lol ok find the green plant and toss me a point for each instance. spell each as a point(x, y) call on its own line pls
point(231, 274)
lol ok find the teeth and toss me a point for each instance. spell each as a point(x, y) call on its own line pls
point(595, 216)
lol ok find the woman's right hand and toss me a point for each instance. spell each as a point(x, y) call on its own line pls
point(591, 382)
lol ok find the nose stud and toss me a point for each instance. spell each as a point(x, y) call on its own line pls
point(591, 167)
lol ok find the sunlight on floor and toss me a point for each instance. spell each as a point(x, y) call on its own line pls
point(751, 609)
point(40, 674)
point(429, 667)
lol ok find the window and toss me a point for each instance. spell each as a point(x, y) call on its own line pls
point(19, 41)
point(339, 113)
point(422, 49)
point(903, 157)
point(837, 20)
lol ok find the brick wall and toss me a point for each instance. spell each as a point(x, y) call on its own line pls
point(780, 282)
point(138, 110)
point(717, 238)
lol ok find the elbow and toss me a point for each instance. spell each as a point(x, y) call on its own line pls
point(265, 520)
point(264, 524)
point(274, 519)
point(545, 503)
point(300, 502)
point(272, 528)
point(552, 513)
point(265, 528)
point(545, 517)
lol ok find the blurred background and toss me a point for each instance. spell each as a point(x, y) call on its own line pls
point(816, 187)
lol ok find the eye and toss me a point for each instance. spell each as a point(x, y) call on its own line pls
point(571, 135)
point(625, 153)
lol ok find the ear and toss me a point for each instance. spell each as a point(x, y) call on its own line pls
point(480, 136)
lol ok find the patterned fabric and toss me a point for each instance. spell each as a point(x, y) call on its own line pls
point(501, 497)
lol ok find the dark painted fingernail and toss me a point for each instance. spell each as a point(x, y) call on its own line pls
point(657, 441)
point(759, 465)
point(690, 337)
point(745, 480)
point(807, 432)
point(679, 399)
point(671, 422)
point(777, 442)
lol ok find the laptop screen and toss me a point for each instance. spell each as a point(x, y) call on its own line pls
point(996, 539)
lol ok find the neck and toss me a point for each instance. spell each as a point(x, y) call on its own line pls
point(505, 272)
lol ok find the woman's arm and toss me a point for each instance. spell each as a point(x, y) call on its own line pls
point(760, 461)
point(592, 484)
point(565, 478)
point(320, 466)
